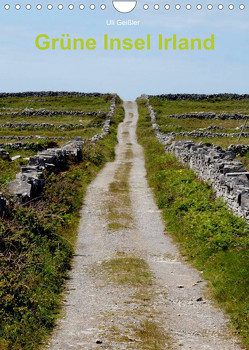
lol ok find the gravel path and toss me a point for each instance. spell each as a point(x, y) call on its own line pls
point(99, 313)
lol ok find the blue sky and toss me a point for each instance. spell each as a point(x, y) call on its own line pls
point(129, 73)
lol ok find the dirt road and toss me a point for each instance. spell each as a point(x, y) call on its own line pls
point(129, 287)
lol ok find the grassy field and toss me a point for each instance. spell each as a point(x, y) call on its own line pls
point(164, 108)
point(218, 141)
point(218, 105)
point(9, 169)
point(209, 235)
point(86, 132)
point(37, 244)
point(72, 103)
point(57, 119)
point(178, 125)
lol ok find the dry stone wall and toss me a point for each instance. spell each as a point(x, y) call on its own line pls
point(30, 137)
point(228, 177)
point(27, 145)
point(218, 166)
point(50, 94)
point(107, 123)
point(30, 112)
point(208, 134)
point(205, 115)
point(165, 139)
point(30, 181)
point(24, 126)
point(200, 97)
point(240, 150)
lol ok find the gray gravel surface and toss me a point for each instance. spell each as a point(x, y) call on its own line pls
point(95, 309)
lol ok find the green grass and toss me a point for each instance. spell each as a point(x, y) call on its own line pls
point(128, 270)
point(218, 141)
point(152, 336)
point(218, 105)
point(119, 204)
point(245, 160)
point(132, 272)
point(163, 108)
point(32, 148)
point(194, 123)
point(32, 144)
point(76, 103)
point(36, 246)
point(85, 133)
point(213, 239)
point(10, 169)
point(178, 125)
point(57, 120)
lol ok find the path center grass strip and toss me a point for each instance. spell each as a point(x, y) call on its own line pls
point(214, 240)
point(118, 203)
point(36, 247)
point(145, 332)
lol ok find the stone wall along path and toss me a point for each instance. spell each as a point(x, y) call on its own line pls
point(99, 314)
point(227, 176)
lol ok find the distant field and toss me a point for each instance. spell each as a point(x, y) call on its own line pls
point(218, 141)
point(177, 125)
point(164, 108)
point(88, 125)
point(73, 103)
point(57, 120)
point(54, 133)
